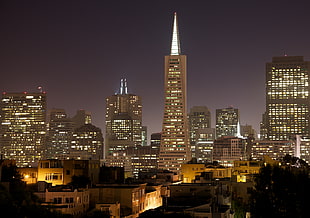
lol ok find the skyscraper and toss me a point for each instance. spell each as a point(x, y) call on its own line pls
point(123, 120)
point(287, 97)
point(23, 127)
point(227, 122)
point(59, 133)
point(174, 148)
point(87, 143)
point(199, 118)
point(204, 145)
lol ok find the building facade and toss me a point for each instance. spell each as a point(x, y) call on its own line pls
point(59, 134)
point(123, 120)
point(287, 98)
point(144, 136)
point(155, 139)
point(81, 118)
point(134, 199)
point(174, 148)
point(73, 202)
point(143, 158)
point(227, 149)
point(199, 117)
point(60, 172)
point(87, 143)
point(275, 149)
point(23, 127)
point(227, 122)
point(204, 145)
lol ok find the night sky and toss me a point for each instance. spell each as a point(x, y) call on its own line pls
point(79, 50)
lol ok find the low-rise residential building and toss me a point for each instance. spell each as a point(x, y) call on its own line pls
point(156, 176)
point(133, 198)
point(29, 174)
point(67, 201)
point(60, 172)
point(113, 209)
point(153, 197)
point(243, 171)
point(191, 172)
point(207, 211)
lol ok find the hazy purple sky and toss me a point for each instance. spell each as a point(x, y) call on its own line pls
point(79, 50)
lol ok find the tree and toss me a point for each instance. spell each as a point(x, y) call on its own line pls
point(17, 201)
point(280, 191)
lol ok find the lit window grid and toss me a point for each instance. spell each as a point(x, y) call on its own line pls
point(287, 83)
point(23, 126)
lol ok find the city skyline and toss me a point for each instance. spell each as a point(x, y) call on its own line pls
point(78, 51)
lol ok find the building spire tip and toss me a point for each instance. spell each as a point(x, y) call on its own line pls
point(175, 44)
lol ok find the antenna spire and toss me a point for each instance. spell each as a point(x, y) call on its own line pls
point(123, 87)
point(175, 44)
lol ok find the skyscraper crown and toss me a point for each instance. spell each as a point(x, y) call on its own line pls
point(175, 44)
point(123, 87)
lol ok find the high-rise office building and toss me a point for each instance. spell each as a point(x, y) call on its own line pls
point(247, 131)
point(263, 128)
point(204, 145)
point(274, 149)
point(87, 143)
point(143, 158)
point(287, 97)
point(144, 136)
point(227, 149)
point(199, 117)
point(174, 148)
point(123, 120)
point(155, 139)
point(59, 134)
point(81, 118)
point(23, 127)
point(227, 122)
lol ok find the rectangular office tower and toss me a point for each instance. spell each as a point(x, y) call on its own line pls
point(287, 97)
point(123, 120)
point(199, 118)
point(174, 147)
point(227, 122)
point(23, 127)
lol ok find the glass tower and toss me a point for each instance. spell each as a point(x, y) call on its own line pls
point(59, 134)
point(227, 122)
point(23, 127)
point(174, 148)
point(199, 118)
point(287, 97)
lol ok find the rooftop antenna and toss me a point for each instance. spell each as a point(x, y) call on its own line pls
point(123, 87)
